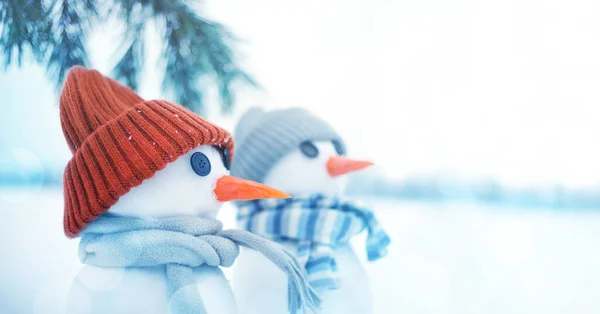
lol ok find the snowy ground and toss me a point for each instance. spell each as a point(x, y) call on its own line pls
point(445, 258)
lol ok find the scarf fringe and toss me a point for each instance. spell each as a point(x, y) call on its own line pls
point(300, 294)
point(306, 298)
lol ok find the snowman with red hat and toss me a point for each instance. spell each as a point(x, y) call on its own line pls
point(293, 150)
point(142, 190)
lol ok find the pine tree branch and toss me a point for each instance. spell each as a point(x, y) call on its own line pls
point(70, 30)
point(24, 28)
point(196, 48)
point(183, 68)
point(127, 69)
point(135, 15)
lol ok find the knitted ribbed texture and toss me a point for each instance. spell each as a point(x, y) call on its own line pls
point(118, 140)
point(263, 138)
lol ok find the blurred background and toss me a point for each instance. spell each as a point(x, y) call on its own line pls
point(481, 116)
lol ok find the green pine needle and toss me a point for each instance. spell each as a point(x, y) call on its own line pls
point(195, 50)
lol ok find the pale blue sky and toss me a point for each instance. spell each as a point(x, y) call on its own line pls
point(466, 88)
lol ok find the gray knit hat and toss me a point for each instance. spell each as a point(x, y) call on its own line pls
point(263, 138)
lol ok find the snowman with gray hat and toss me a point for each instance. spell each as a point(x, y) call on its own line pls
point(296, 152)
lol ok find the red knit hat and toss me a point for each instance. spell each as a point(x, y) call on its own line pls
point(118, 140)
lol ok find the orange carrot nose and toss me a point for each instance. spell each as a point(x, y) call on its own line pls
point(231, 188)
point(339, 165)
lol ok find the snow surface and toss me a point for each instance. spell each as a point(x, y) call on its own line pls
point(445, 258)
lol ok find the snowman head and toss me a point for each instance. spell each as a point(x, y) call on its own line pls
point(134, 157)
point(195, 184)
point(292, 150)
point(314, 167)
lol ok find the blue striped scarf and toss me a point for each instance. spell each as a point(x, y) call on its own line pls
point(319, 224)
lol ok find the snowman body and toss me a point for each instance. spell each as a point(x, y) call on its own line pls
point(259, 288)
point(100, 290)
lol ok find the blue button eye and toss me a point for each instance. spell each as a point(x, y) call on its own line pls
point(309, 149)
point(200, 164)
point(339, 147)
point(225, 157)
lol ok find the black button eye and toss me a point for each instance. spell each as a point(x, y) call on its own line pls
point(309, 149)
point(200, 164)
point(225, 157)
point(339, 147)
